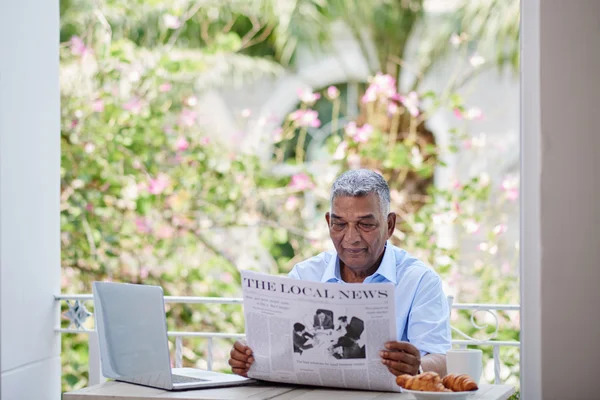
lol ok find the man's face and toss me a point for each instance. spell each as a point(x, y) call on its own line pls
point(358, 230)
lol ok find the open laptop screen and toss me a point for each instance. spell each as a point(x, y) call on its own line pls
point(132, 331)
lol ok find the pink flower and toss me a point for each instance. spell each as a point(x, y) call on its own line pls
point(205, 140)
point(278, 135)
point(143, 225)
point(370, 95)
point(307, 96)
point(455, 277)
point(306, 118)
point(510, 186)
point(187, 118)
point(474, 113)
point(362, 134)
point(182, 144)
point(159, 184)
point(246, 113)
point(484, 179)
point(78, 47)
point(180, 221)
point(333, 92)
point(506, 268)
point(411, 102)
point(168, 129)
point(382, 85)
point(171, 21)
point(144, 272)
point(351, 128)
point(512, 194)
point(98, 105)
point(134, 105)
point(164, 87)
point(226, 277)
point(456, 207)
point(165, 232)
point(392, 108)
point(471, 226)
point(353, 161)
point(384, 81)
point(301, 181)
point(500, 229)
point(291, 203)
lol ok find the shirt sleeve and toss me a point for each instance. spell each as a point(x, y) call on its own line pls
point(294, 273)
point(429, 318)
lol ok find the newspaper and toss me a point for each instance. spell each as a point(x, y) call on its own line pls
point(323, 334)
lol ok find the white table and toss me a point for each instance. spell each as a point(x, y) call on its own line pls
point(260, 391)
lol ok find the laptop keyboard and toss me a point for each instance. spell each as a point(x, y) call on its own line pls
point(186, 379)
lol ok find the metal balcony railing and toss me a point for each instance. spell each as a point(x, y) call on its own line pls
point(77, 314)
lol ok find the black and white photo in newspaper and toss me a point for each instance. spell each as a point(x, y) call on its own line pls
point(322, 334)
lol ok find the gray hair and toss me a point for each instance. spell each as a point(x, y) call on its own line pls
point(361, 183)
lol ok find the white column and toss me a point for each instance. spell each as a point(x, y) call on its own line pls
point(561, 247)
point(531, 386)
point(29, 199)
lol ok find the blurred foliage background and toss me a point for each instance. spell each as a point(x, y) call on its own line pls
point(149, 196)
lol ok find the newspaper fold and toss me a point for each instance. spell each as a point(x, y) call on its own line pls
point(323, 334)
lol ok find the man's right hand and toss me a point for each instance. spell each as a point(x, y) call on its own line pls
point(240, 358)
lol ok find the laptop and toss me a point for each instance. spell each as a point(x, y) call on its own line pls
point(132, 334)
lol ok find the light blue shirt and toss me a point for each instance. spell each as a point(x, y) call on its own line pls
point(422, 315)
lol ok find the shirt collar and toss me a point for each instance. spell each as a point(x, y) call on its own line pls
point(387, 268)
point(332, 271)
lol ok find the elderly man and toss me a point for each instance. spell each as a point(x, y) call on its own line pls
point(360, 224)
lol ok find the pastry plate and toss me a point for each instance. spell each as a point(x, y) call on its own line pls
point(439, 395)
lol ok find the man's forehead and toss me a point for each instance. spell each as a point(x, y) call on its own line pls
point(370, 201)
point(356, 207)
point(351, 216)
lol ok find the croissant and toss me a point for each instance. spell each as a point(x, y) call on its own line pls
point(459, 383)
point(427, 382)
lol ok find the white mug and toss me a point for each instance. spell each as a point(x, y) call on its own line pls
point(465, 361)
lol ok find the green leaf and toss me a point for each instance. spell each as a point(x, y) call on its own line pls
point(280, 235)
point(225, 42)
point(71, 379)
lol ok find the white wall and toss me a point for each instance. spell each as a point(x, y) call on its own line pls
point(29, 199)
point(561, 271)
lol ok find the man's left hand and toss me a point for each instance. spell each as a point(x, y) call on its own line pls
point(401, 358)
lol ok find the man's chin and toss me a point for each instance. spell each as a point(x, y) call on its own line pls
point(356, 262)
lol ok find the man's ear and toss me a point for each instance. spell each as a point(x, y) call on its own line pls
point(391, 223)
point(327, 218)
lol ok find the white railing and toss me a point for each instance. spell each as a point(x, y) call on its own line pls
point(77, 314)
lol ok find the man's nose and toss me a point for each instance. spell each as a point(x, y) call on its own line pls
point(352, 235)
